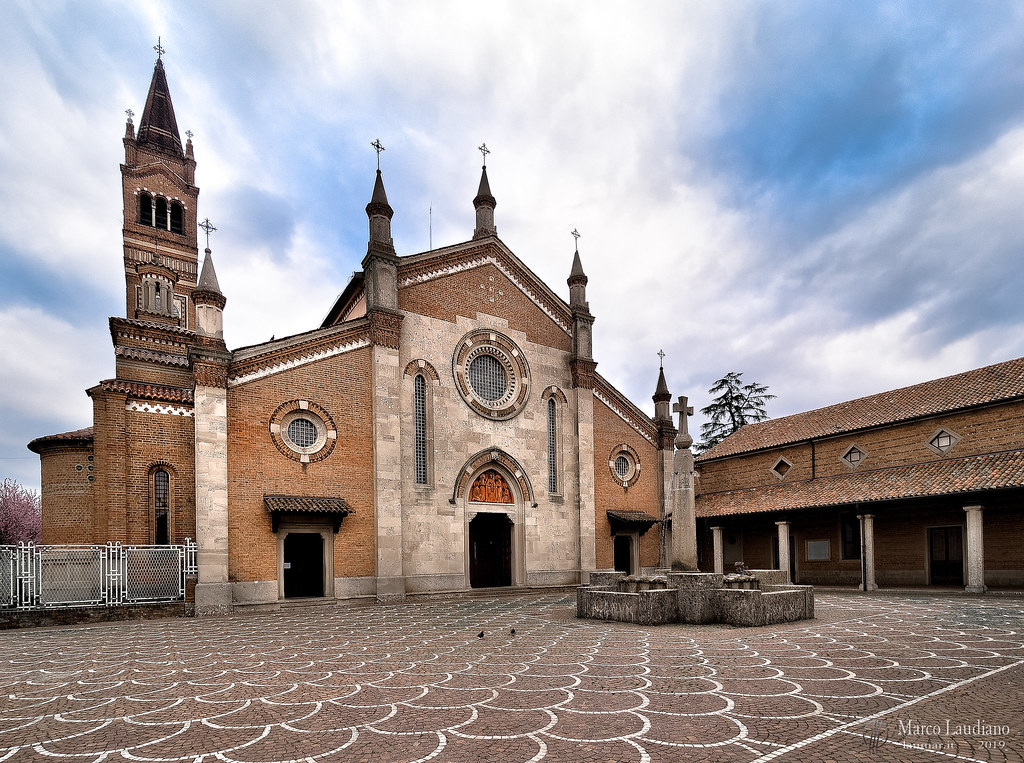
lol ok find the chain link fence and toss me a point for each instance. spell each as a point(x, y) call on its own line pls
point(44, 577)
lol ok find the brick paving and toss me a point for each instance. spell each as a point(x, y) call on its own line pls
point(909, 677)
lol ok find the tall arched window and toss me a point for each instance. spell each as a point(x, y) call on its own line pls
point(161, 507)
point(552, 447)
point(145, 209)
point(161, 213)
point(177, 216)
point(420, 393)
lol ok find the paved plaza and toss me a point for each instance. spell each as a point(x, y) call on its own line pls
point(881, 677)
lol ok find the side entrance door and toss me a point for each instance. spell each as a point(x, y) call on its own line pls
point(303, 565)
point(946, 555)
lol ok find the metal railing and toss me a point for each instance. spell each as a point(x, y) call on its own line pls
point(44, 577)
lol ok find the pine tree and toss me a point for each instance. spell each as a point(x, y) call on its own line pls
point(734, 405)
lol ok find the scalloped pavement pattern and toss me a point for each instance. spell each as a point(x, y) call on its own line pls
point(873, 678)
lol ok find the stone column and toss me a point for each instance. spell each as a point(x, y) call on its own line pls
point(975, 551)
point(716, 539)
point(784, 548)
point(867, 552)
point(684, 517)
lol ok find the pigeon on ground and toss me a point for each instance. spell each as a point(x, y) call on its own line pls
point(480, 634)
point(513, 631)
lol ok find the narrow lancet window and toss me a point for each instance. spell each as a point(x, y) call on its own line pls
point(161, 508)
point(145, 209)
point(161, 213)
point(420, 391)
point(552, 448)
point(177, 216)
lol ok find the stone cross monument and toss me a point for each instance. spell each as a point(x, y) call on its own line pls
point(684, 518)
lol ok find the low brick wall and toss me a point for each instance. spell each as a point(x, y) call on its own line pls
point(42, 618)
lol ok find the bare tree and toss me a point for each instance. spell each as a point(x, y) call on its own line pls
point(21, 515)
point(734, 405)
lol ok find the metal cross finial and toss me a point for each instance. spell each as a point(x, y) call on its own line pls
point(207, 226)
point(378, 146)
point(189, 134)
point(485, 151)
point(661, 354)
point(576, 235)
point(130, 114)
point(160, 50)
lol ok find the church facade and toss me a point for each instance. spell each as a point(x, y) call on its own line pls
point(445, 428)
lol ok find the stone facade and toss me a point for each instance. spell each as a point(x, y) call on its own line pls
point(341, 462)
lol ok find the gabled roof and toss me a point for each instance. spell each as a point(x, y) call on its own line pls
point(981, 386)
point(992, 471)
point(76, 437)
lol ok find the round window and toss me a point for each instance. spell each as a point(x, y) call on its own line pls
point(302, 432)
point(491, 374)
point(622, 467)
point(488, 378)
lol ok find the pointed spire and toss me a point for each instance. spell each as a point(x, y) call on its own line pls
point(208, 278)
point(379, 197)
point(158, 127)
point(484, 204)
point(661, 393)
point(577, 274)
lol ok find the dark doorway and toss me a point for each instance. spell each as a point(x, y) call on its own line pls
point(303, 565)
point(946, 554)
point(490, 550)
point(624, 554)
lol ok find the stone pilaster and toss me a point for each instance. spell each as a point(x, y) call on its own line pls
point(719, 551)
point(586, 489)
point(387, 467)
point(867, 552)
point(784, 550)
point(975, 551)
point(213, 591)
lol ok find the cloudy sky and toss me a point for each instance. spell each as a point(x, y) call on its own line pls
point(825, 196)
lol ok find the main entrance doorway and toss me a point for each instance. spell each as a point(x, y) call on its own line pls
point(303, 565)
point(490, 550)
point(946, 555)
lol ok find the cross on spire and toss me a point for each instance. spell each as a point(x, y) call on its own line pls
point(378, 147)
point(482, 148)
point(207, 226)
point(160, 50)
point(576, 235)
point(130, 114)
point(661, 354)
point(189, 134)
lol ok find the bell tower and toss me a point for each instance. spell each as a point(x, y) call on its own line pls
point(158, 182)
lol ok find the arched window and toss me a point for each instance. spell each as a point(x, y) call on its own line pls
point(145, 209)
point(552, 447)
point(177, 216)
point(161, 213)
point(420, 394)
point(161, 507)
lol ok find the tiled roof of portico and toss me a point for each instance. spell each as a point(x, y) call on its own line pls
point(992, 471)
point(980, 386)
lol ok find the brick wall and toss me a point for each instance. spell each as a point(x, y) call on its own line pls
point(67, 498)
point(340, 385)
point(644, 495)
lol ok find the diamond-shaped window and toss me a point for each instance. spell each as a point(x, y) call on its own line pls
point(781, 468)
point(854, 456)
point(943, 440)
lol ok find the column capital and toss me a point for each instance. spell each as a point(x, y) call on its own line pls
point(716, 527)
point(973, 508)
point(787, 522)
point(865, 516)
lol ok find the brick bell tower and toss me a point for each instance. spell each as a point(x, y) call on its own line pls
point(158, 180)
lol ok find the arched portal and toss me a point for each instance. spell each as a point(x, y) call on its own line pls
point(492, 491)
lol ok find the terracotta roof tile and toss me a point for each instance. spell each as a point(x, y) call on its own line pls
point(632, 516)
point(1002, 381)
point(296, 503)
point(78, 435)
point(142, 391)
point(959, 475)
